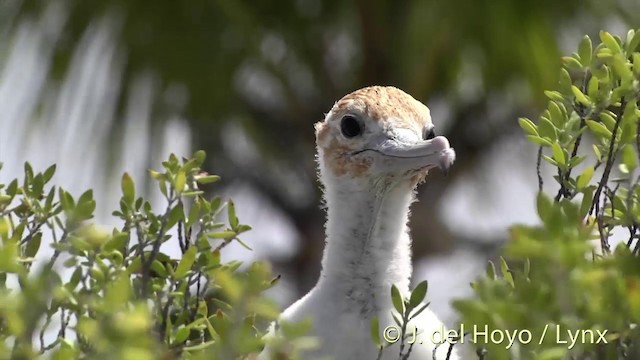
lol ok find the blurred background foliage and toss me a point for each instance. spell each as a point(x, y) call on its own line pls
point(269, 70)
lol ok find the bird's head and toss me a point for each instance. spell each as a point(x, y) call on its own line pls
point(380, 134)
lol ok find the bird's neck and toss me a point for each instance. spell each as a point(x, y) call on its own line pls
point(368, 245)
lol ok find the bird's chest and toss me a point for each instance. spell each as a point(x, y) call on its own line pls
point(348, 337)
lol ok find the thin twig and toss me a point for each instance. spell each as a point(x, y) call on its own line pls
point(146, 265)
point(610, 160)
point(564, 191)
point(538, 165)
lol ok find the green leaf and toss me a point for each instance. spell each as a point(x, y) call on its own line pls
point(243, 228)
point(117, 242)
point(418, 294)
point(491, 270)
point(128, 189)
point(587, 198)
point(546, 129)
point(244, 245)
point(571, 63)
point(66, 200)
point(554, 95)
point(592, 87)
point(585, 50)
point(544, 205)
point(538, 140)
point(558, 155)
point(200, 156)
point(181, 335)
point(5, 199)
point(621, 68)
point(396, 299)
point(48, 174)
point(374, 328)
point(86, 197)
point(231, 213)
point(33, 245)
point(207, 179)
point(580, 97)
point(188, 258)
point(75, 279)
point(565, 82)
point(557, 117)
point(506, 273)
point(596, 151)
point(159, 268)
point(629, 157)
point(180, 182)
point(176, 215)
point(634, 43)
point(222, 235)
point(598, 129)
point(608, 120)
point(528, 126)
point(585, 177)
point(194, 213)
point(610, 42)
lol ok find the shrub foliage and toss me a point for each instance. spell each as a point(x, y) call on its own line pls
point(573, 282)
point(121, 296)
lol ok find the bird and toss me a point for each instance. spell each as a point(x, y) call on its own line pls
point(374, 147)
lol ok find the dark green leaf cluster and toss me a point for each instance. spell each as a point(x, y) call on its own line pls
point(561, 279)
point(124, 297)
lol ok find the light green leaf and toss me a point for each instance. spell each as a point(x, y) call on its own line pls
point(599, 129)
point(181, 181)
point(546, 129)
point(585, 50)
point(231, 213)
point(580, 97)
point(610, 42)
point(538, 140)
point(128, 188)
point(200, 156)
point(629, 157)
point(557, 117)
point(608, 120)
point(634, 43)
point(491, 270)
point(565, 82)
point(585, 177)
point(181, 335)
point(597, 152)
point(374, 329)
point(222, 234)
point(207, 179)
point(571, 63)
point(558, 154)
point(544, 205)
point(176, 215)
point(528, 126)
point(506, 273)
point(554, 95)
point(188, 258)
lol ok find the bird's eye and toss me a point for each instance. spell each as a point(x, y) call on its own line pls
point(428, 134)
point(350, 127)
